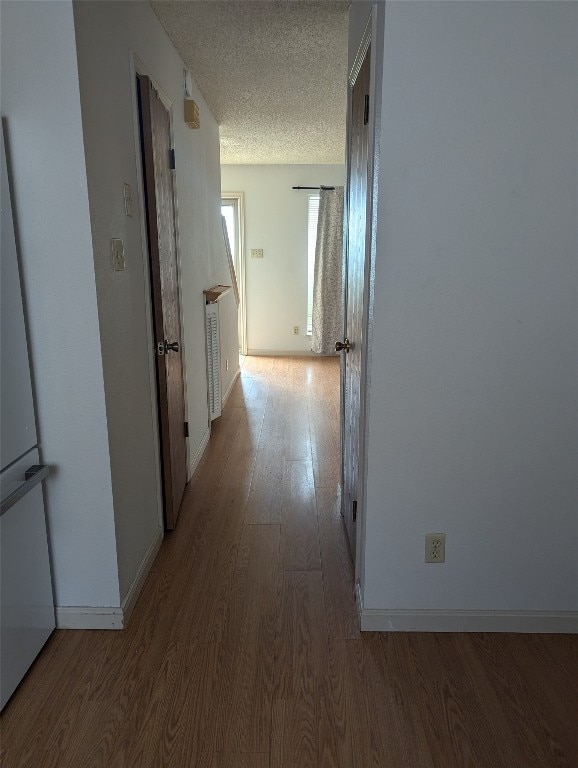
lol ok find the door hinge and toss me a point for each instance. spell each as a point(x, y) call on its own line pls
point(366, 110)
point(186, 428)
point(354, 512)
point(172, 162)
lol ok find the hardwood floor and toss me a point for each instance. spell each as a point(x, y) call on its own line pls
point(244, 650)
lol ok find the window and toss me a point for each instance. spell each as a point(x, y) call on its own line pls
point(312, 216)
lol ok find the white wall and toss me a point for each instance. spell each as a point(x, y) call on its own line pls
point(276, 221)
point(229, 341)
point(107, 35)
point(40, 101)
point(474, 393)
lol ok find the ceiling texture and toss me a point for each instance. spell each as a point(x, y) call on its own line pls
point(274, 74)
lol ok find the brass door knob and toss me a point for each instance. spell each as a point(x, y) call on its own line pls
point(344, 345)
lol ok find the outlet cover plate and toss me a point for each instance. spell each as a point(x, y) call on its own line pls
point(435, 548)
point(118, 261)
point(256, 253)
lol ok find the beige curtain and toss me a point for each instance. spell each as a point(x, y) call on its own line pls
point(327, 312)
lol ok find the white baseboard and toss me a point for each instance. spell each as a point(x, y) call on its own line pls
point(105, 617)
point(399, 620)
point(281, 353)
point(230, 388)
point(88, 617)
point(196, 459)
point(134, 591)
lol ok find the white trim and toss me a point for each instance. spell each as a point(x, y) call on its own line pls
point(230, 387)
point(196, 460)
point(88, 617)
point(424, 620)
point(134, 591)
point(281, 353)
point(109, 617)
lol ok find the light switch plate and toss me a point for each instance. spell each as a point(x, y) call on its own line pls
point(118, 261)
point(256, 253)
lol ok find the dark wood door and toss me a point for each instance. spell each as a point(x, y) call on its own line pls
point(158, 177)
point(354, 292)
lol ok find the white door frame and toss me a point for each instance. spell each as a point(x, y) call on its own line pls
point(238, 197)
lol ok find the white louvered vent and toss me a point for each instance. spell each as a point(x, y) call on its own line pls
point(213, 359)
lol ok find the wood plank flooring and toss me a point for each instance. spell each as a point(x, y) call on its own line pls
point(244, 650)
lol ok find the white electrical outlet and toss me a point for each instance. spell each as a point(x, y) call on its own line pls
point(435, 547)
point(296, 330)
point(256, 253)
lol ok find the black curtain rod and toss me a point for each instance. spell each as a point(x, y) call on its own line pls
point(321, 187)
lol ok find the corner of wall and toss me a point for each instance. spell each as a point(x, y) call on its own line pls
point(40, 76)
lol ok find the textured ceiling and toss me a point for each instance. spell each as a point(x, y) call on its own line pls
point(274, 74)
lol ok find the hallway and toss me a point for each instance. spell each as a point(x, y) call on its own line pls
point(244, 652)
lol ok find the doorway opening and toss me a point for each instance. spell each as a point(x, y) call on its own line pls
point(232, 209)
